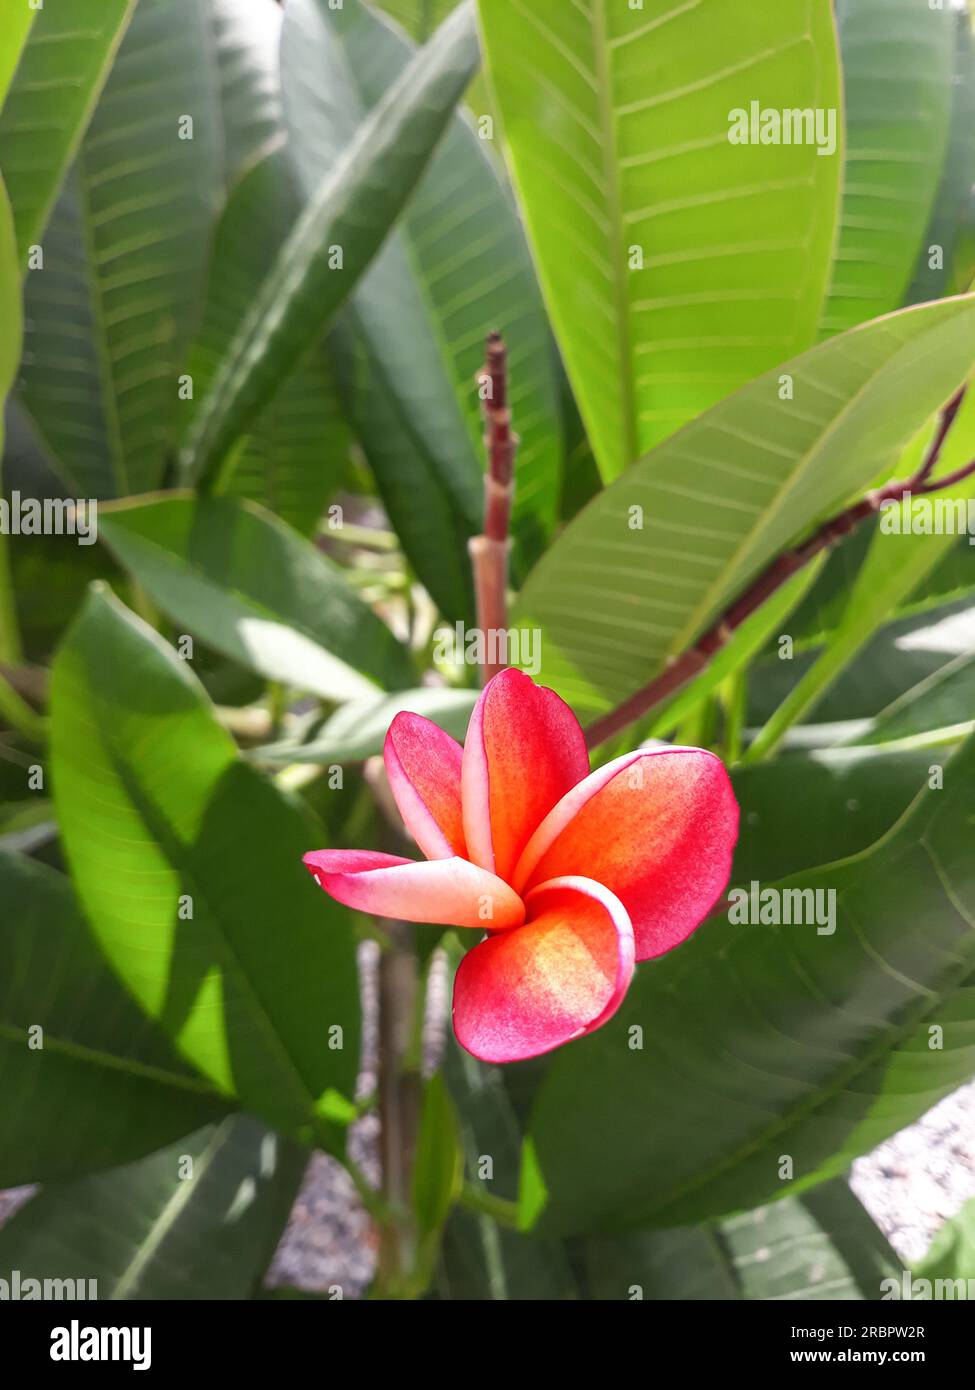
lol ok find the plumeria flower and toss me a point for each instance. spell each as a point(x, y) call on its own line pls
point(573, 875)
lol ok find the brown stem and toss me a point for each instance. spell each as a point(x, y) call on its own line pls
point(489, 551)
point(696, 658)
point(399, 1104)
point(398, 1079)
point(938, 443)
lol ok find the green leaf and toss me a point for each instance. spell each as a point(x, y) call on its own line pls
point(197, 1220)
point(443, 282)
point(438, 1164)
point(246, 38)
point(12, 318)
point(684, 1264)
point(953, 270)
point(944, 700)
point(418, 17)
point(50, 572)
point(10, 311)
point(896, 563)
point(851, 798)
point(357, 730)
point(350, 214)
point(902, 655)
point(253, 589)
point(125, 250)
point(479, 1258)
point(66, 59)
point(952, 1252)
point(761, 1043)
point(100, 1083)
point(432, 532)
point(725, 496)
point(759, 628)
point(898, 60)
point(13, 37)
point(188, 866)
point(617, 125)
point(822, 1245)
point(296, 452)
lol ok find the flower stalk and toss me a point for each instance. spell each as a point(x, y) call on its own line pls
point(489, 551)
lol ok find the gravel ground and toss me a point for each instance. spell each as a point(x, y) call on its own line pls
point(919, 1179)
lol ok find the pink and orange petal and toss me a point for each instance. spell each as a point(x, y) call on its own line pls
point(574, 876)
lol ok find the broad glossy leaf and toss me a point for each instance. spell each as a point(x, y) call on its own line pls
point(431, 530)
point(69, 50)
point(125, 250)
point(455, 268)
point(851, 797)
point(895, 565)
point(734, 488)
point(438, 1162)
point(13, 37)
point(952, 270)
point(296, 450)
point(418, 17)
point(188, 866)
point(10, 311)
point(101, 1083)
point(10, 315)
point(357, 730)
point(249, 586)
point(953, 578)
point(898, 60)
point(944, 700)
point(349, 216)
point(675, 264)
point(197, 1220)
point(902, 655)
point(246, 38)
point(822, 1245)
point(761, 1042)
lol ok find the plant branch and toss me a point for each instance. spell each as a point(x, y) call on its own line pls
point(11, 651)
point(697, 657)
point(489, 551)
point(937, 444)
point(399, 1104)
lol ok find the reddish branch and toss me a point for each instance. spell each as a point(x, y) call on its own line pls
point(489, 551)
point(694, 660)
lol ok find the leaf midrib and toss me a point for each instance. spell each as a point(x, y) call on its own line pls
point(170, 1213)
point(93, 1056)
point(607, 119)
